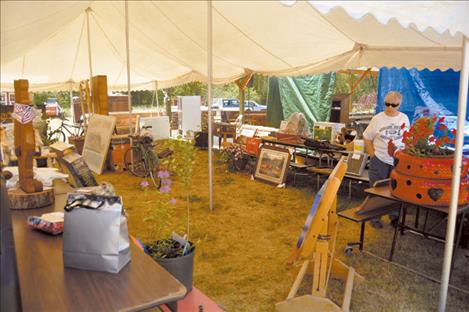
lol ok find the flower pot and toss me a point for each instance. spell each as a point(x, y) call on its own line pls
point(182, 268)
point(240, 164)
point(427, 180)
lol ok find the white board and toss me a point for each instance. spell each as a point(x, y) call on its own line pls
point(189, 114)
point(160, 129)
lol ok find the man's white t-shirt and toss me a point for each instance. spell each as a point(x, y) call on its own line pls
point(383, 128)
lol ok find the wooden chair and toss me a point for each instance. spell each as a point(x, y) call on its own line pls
point(317, 250)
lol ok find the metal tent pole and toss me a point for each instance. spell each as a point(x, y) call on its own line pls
point(127, 53)
point(90, 63)
point(457, 166)
point(209, 99)
point(157, 101)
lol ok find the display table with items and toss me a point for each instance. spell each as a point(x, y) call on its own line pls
point(46, 285)
point(402, 226)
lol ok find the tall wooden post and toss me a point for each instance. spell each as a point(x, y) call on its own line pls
point(242, 83)
point(99, 91)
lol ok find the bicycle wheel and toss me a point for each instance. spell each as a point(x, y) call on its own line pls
point(137, 168)
point(155, 178)
point(56, 136)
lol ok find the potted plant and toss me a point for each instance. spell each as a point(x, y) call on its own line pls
point(234, 156)
point(423, 170)
point(174, 253)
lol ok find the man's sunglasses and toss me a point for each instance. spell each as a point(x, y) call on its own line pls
point(392, 104)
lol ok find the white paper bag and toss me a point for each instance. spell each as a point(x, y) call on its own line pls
point(95, 233)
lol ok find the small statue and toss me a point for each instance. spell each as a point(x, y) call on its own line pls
point(23, 115)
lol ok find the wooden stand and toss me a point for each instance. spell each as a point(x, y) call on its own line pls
point(317, 250)
point(22, 200)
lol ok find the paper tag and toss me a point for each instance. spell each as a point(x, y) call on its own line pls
point(53, 217)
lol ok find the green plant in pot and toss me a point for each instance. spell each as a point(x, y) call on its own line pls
point(174, 253)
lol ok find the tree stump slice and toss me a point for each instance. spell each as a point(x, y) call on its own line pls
point(21, 200)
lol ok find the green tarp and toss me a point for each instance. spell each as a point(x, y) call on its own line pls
point(310, 95)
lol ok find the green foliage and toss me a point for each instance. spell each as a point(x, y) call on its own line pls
point(182, 162)
point(158, 214)
point(361, 97)
point(63, 97)
point(259, 89)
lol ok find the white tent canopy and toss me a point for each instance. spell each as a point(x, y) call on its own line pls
point(46, 41)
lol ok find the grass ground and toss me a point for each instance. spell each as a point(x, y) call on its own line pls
point(243, 244)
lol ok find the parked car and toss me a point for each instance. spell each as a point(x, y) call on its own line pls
point(53, 109)
point(254, 106)
point(233, 105)
point(225, 104)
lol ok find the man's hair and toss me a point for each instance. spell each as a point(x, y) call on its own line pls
point(393, 97)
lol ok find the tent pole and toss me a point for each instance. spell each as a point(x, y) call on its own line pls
point(157, 102)
point(90, 63)
point(127, 52)
point(209, 99)
point(457, 166)
point(72, 110)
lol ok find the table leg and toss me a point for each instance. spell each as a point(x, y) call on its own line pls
point(394, 240)
point(425, 223)
point(350, 189)
point(403, 220)
point(417, 215)
point(458, 239)
point(362, 235)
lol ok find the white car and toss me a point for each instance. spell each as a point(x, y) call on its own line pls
point(233, 105)
point(251, 106)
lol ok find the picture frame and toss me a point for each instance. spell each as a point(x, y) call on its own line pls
point(272, 164)
point(356, 163)
point(97, 141)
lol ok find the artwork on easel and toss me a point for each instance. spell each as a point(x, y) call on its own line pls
point(97, 141)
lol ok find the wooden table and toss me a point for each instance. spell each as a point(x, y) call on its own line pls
point(385, 192)
point(45, 285)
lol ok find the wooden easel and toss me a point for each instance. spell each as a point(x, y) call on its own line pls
point(317, 250)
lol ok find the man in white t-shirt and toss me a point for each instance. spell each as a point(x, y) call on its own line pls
point(382, 137)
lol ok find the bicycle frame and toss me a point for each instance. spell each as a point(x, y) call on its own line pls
point(77, 130)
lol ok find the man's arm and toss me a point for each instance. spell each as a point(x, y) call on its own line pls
point(369, 147)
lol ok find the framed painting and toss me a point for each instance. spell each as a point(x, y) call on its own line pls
point(97, 141)
point(272, 164)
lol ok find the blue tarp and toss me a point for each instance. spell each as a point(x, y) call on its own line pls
point(433, 91)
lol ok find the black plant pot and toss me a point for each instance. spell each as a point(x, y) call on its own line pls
point(240, 164)
point(182, 268)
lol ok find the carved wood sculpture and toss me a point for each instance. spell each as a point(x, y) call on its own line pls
point(24, 138)
point(316, 245)
point(84, 98)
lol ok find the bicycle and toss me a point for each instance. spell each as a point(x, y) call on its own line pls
point(59, 133)
point(141, 160)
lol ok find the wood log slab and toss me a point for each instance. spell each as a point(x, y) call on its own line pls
point(22, 200)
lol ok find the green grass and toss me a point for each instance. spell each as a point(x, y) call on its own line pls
point(243, 244)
